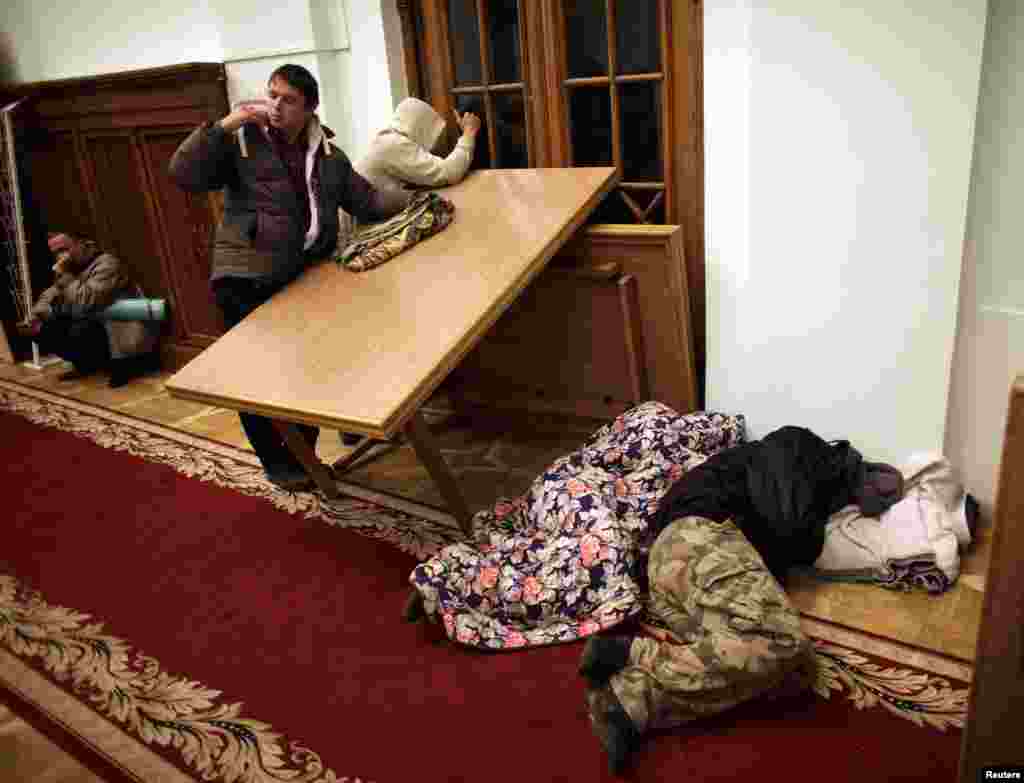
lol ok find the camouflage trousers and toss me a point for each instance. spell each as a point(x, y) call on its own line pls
point(737, 634)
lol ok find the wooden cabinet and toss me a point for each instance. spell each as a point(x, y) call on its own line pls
point(606, 326)
point(97, 151)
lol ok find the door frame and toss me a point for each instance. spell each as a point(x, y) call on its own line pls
point(682, 34)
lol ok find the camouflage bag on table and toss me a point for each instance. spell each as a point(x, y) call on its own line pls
point(374, 243)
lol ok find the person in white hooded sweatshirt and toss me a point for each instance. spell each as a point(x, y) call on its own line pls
point(402, 154)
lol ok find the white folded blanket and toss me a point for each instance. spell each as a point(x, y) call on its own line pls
point(915, 543)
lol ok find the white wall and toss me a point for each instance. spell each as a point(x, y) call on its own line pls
point(349, 45)
point(836, 212)
point(367, 74)
point(61, 39)
point(990, 341)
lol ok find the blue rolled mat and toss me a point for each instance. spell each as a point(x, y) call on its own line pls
point(134, 310)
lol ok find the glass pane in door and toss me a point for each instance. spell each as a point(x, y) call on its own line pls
point(612, 210)
point(640, 115)
point(503, 21)
point(510, 124)
point(637, 40)
point(590, 115)
point(464, 31)
point(657, 215)
point(475, 104)
point(586, 33)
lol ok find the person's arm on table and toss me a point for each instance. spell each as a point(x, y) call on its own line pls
point(367, 203)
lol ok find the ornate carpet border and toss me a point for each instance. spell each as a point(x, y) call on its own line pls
point(96, 685)
point(412, 527)
point(116, 747)
point(887, 649)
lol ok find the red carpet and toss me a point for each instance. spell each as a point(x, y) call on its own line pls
point(237, 601)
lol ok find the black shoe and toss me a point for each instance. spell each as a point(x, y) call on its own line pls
point(119, 379)
point(77, 371)
point(413, 610)
point(126, 369)
point(290, 479)
point(350, 439)
point(613, 727)
point(603, 656)
point(973, 514)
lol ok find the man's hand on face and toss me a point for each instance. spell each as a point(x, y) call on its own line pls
point(29, 328)
point(65, 265)
point(256, 112)
point(66, 251)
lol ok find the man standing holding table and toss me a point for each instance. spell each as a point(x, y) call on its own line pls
point(283, 184)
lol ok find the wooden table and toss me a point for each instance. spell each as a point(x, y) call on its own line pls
point(361, 352)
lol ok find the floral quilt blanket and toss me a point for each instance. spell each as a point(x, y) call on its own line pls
point(566, 559)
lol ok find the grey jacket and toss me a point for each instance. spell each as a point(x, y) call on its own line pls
point(99, 285)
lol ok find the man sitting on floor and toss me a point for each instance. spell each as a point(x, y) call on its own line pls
point(63, 322)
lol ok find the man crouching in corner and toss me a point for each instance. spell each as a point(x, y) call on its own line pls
point(63, 321)
point(283, 183)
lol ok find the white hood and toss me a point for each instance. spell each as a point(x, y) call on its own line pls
point(417, 120)
point(401, 154)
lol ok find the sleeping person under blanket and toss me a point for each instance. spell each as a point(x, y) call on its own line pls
point(675, 510)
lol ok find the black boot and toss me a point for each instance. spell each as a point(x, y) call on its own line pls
point(76, 372)
point(603, 656)
point(413, 610)
point(973, 514)
point(290, 477)
point(126, 369)
point(613, 727)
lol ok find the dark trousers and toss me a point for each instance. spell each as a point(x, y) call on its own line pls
point(83, 342)
point(237, 297)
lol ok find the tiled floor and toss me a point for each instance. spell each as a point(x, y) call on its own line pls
point(500, 456)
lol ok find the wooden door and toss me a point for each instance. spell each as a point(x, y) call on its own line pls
point(573, 83)
point(606, 98)
point(992, 736)
point(580, 83)
point(478, 59)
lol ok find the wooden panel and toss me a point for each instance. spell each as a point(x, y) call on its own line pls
point(187, 220)
point(992, 734)
point(654, 256)
point(572, 341)
point(362, 351)
point(53, 158)
point(564, 346)
point(684, 154)
point(125, 226)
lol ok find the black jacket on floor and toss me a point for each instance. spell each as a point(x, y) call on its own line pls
point(780, 491)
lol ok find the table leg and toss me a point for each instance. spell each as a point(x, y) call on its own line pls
point(426, 449)
point(307, 457)
point(342, 463)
